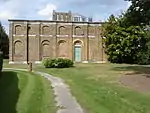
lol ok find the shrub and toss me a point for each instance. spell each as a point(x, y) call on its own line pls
point(57, 63)
point(144, 58)
point(1, 61)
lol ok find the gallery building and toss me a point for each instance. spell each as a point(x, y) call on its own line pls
point(67, 35)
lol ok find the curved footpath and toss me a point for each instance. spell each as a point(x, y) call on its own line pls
point(65, 101)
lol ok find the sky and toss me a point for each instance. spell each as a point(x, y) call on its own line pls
point(100, 10)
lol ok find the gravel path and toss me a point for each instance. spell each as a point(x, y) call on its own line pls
point(65, 101)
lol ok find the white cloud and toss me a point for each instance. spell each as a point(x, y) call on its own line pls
point(42, 9)
point(47, 11)
point(4, 15)
point(9, 9)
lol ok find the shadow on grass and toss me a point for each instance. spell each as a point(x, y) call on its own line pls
point(136, 68)
point(9, 92)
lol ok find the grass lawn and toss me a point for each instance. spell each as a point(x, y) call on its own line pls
point(98, 90)
point(23, 92)
point(97, 87)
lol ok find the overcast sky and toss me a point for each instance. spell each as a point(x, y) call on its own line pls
point(100, 10)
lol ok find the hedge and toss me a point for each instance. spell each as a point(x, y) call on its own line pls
point(58, 63)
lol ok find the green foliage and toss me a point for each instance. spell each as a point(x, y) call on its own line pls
point(138, 13)
point(3, 35)
point(136, 44)
point(20, 89)
point(123, 45)
point(144, 56)
point(57, 63)
point(95, 88)
point(4, 41)
point(1, 61)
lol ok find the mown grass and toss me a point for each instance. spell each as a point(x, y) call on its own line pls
point(97, 87)
point(98, 90)
point(23, 92)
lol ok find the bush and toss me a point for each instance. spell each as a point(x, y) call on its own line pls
point(1, 61)
point(144, 58)
point(58, 63)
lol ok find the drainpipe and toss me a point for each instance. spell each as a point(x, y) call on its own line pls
point(28, 43)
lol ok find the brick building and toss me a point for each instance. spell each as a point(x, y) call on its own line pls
point(67, 35)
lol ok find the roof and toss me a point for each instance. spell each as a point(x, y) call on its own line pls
point(53, 21)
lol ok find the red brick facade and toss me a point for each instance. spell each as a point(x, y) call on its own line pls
point(34, 40)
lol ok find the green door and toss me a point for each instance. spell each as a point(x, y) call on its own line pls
point(77, 54)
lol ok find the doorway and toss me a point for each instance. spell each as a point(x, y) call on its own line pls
point(77, 51)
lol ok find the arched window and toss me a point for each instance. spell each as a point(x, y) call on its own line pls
point(78, 31)
point(18, 48)
point(18, 29)
point(62, 49)
point(45, 30)
point(62, 30)
point(46, 51)
point(78, 43)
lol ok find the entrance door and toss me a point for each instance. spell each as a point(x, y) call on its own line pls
point(77, 53)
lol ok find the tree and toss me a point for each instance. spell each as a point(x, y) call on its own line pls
point(123, 45)
point(144, 56)
point(109, 27)
point(3, 36)
point(4, 41)
point(138, 13)
point(125, 38)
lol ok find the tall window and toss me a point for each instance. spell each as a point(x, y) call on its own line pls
point(18, 29)
point(63, 49)
point(62, 30)
point(46, 50)
point(78, 31)
point(18, 48)
point(45, 30)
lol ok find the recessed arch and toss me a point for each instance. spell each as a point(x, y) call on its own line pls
point(45, 30)
point(62, 30)
point(78, 31)
point(18, 47)
point(18, 29)
point(45, 49)
point(61, 41)
point(62, 49)
point(78, 40)
point(45, 41)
